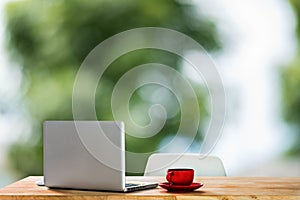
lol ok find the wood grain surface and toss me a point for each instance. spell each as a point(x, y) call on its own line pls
point(221, 188)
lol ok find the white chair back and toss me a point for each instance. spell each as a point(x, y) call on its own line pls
point(158, 164)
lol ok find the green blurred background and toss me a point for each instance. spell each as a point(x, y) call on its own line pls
point(48, 41)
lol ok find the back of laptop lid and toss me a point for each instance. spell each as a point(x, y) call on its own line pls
point(84, 155)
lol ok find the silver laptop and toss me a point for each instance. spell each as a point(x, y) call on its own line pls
point(86, 155)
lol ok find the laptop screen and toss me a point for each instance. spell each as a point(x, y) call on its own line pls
point(84, 155)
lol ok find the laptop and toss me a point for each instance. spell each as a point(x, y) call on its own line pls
point(87, 155)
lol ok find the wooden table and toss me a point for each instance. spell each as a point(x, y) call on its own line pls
point(221, 188)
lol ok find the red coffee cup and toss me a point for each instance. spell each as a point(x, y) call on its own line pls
point(182, 176)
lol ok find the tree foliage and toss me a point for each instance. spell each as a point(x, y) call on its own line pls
point(290, 89)
point(50, 39)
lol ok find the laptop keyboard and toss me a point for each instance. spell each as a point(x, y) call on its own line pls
point(139, 186)
point(131, 184)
